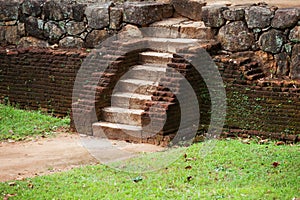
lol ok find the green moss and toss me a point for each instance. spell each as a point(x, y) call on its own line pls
point(247, 111)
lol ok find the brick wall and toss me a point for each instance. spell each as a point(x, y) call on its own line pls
point(39, 78)
point(269, 105)
point(43, 79)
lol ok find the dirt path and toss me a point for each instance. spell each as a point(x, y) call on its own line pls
point(48, 155)
point(43, 156)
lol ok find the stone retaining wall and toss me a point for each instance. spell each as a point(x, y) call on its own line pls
point(66, 23)
point(259, 27)
point(238, 28)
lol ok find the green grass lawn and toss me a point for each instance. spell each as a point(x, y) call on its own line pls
point(232, 170)
point(17, 124)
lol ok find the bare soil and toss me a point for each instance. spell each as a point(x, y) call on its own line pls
point(19, 160)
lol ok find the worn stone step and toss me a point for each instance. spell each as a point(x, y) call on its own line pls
point(173, 44)
point(180, 28)
point(122, 115)
point(129, 100)
point(136, 86)
point(117, 131)
point(155, 57)
point(148, 72)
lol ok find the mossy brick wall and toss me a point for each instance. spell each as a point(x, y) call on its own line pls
point(262, 94)
point(44, 78)
point(267, 105)
point(262, 109)
point(38, 78)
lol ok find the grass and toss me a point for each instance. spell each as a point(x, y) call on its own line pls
point(232, 170)
point(18, 124)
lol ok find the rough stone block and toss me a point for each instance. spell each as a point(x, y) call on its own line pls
point(71, 42)
point(180, 27)
point(129, 31)
point(57, 10)
point(98, 16)
point(35, 27)
point(94, 37)
point(8, 23)
point(9, 10)
point(235, 36)
point(258, 17)
point(234, 13)
point(295, 62)
point(75, 28)
point(282, 61)
point(54, 31)
point(115, 18)
point(170, 27)
point(195, 30)
point(295, 34)
point(32, 41)
point(144, 13)
point(213, 15)
point(286, 18)
point(272, 41)
point(21, 29)
point(9, 34)
point(189, 8)
point(32, 7)
point(78, 12)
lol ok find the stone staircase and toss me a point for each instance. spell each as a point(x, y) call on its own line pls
point(126, 117)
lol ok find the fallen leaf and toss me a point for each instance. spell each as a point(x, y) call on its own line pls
point(190, 159)
point(7, 196)
point(137, 179)
point(275, 164)
point(30, 186)
point(279, 143)
point(189, 178)
point(20, 178)
point(246, 141)
point(188, 167)
point(263, 141)
point(12, 184)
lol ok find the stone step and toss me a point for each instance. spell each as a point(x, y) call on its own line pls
point(136, 86)
point(148, 72)
point(116, 131)
point(173, 44)
point(180, 28)
point(155, 57)
point(122, 115)
point(129, 100)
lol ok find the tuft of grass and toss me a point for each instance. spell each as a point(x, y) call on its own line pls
point(18, 124)
point(230, 170)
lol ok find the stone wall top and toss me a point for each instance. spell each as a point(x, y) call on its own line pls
point(77, 24)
